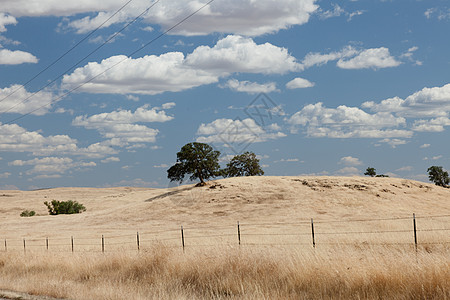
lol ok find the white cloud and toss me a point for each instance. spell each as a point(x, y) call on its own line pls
point(245, 17)
point(428, 102)
point(393, 142)
point(52, 165)
point(437, 157)
point(425, 146)
point(110, 159)
point(299, 83)
point(375, 58)
point(18, 139)
point(8, 57)
point(250, 87)
point(287, 160)
point(174, 72)
point(313, 59)
point(433, 125)
point(336, 12)
point(14, 101)
point(405, 169)
point(348, 171)
point(5, 175)
point(6, 20)
point(239, 54)
point(118, 127)
point(350, 161)
point(347, 122)
point(161, 166)
point(168, 105)
point(441, 14)
point(228, 131)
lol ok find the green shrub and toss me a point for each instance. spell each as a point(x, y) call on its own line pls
point(64, 207)
point(28, 213)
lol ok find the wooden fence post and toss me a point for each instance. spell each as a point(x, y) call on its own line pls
point(137, 239)
point(46, 242)
point(103, 244)
point(71, 238)
point(415, 231)
point(239, 233)
point(312, 231)
point(6, 248)
point(24, 247)
point(182, 237)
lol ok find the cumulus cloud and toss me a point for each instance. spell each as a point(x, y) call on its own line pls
point(350, 161)
point(17, 139)
point(245, 17)
point(8, 57)
point(238, 54)
point(347, 122)
point(231, 132)
point(299, 83)
point(250, 87)
point(425, 146)
point(428, 102)
point(14, 96)
point(376, 58)
point(110, 159)
point(174, 72)
point(51, 165)
point(119, 128)
point(393, 142)
point(6, 19)
point(348, 171)
point(352, 58)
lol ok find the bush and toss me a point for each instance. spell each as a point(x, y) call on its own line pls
point(64, 207)
point(28, 213)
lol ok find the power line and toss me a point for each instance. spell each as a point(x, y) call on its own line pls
point(67, 52)
point(81, 60)
point(113, 66)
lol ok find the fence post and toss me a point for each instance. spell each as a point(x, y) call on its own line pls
point(71, 238)
point(137, 239)
point(103, 244)
point(46, 242)
point(239, 232)
point(24, 247)
point(182, 237)
point(6, 248)
point(415, 231)
point(312, 231)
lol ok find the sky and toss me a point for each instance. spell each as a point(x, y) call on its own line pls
point(105, 93)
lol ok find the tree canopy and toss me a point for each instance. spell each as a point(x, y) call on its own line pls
point(199, 160)
point(370, 172)
point(437, 175)
point(245, 164)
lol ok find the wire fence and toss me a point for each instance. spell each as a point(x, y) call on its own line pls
point(411, 231)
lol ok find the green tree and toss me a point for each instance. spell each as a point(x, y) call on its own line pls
point(438, 176)
point(245, 164)
point(198, 159)
point(64, 207)
point(370, 172)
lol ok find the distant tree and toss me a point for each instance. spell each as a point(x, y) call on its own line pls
point(381, 175)
point(245, 164)
point(438, 176)
point(198, 159)
point(370, 172)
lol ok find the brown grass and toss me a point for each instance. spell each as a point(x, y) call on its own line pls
point(382, 264)
point(233, 273)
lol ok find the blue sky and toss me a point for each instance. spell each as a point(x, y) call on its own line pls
point(312, 87)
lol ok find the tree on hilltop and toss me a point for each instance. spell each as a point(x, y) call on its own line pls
point(437, 175)
point(370, 172)
point(199, 160)
point(245, 164)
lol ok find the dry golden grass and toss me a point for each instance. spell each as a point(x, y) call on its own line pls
point(354, 259)
point(233, 273)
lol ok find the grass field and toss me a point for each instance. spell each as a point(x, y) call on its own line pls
point(363, 233)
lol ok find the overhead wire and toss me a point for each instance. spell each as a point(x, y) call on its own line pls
point(75, 65)
point(66, 53)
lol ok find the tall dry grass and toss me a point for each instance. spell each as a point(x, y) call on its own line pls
point(341, 272)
